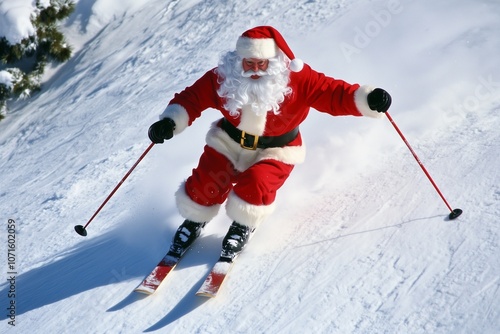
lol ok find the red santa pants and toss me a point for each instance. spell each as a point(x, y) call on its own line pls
point(215, 176)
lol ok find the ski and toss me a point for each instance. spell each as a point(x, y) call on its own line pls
point(186, 234)
point(155, 278)
point(232, 245)
point(184, 237)
point(215, 278)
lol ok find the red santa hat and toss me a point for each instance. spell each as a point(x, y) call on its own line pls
point(263, 42)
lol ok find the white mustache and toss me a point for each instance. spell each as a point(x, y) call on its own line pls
point(249, 73)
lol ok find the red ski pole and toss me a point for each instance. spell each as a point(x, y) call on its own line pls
point(81, 230)
point(454, 213)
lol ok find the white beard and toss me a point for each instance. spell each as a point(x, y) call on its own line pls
point(257, 95)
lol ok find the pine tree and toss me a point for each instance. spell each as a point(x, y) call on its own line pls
point(22, 65)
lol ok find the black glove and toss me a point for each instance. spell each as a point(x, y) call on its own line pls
point(379, 100)
point(161, 130)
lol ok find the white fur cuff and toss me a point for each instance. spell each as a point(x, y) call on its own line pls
point(361, 101)
point(180, 116)
point(191, 210)
point(246, 213)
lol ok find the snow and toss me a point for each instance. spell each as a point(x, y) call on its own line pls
point(359, 243)
point(6, 78)
point(15, 21)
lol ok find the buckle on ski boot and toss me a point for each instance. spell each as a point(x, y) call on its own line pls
point(184, 237)
point(235, 240)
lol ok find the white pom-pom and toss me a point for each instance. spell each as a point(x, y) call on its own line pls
point(296, 65)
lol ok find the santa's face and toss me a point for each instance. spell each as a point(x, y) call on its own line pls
point(259, 85)
point(254, 67)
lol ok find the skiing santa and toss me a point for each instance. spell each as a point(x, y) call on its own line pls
point(263, 94)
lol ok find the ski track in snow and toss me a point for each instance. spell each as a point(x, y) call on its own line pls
point(359, 243)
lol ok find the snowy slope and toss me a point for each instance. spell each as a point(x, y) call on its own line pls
point(359, 243)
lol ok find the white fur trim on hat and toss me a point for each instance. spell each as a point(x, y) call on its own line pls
point(264, 42)
point(246, 213)
point(261, 48)
point(180, 116)
point(191, 210)
point(361, 101)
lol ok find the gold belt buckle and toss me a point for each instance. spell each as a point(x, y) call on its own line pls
point(242, 142)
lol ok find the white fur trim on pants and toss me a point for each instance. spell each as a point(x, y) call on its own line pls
point(361, 100)
point(246, 213)
point(191, 210)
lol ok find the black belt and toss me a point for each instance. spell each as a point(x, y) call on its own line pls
point(252, 142)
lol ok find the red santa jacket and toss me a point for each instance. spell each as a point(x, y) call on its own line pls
point(310, 89)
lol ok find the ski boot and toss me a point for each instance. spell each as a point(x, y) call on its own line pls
point(236, 238)
point(184, 237)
